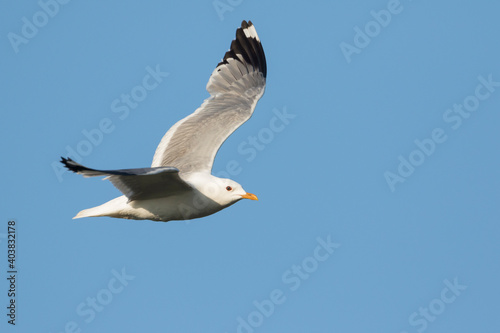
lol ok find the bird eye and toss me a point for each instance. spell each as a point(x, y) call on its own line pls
point(229, 188)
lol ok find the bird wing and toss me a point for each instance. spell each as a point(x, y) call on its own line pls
point(235, 86)
point(137, 184)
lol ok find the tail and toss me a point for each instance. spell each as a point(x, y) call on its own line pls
point(112, 208)
point(91, 212)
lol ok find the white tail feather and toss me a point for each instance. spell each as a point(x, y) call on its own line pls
point(112, 208)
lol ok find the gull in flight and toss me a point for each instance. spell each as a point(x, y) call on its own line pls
point(179, 184)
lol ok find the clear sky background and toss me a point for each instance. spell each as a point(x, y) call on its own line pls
point(375, 162)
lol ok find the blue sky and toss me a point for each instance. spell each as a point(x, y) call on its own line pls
point(374, 153)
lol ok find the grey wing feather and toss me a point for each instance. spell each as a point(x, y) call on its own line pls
point(137, 184)
point(235, 86)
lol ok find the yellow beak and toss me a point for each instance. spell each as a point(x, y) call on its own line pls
point(249, 196)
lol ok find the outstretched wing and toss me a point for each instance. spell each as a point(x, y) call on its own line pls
point(235, 86)
point(137, 184)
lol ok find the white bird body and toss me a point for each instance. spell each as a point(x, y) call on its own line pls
point(203, 201)
point(179, 184)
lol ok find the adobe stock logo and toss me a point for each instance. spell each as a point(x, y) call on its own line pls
point(122, 108)
point(248, 148)
point(363, 37)
point(254, 144)
point(222, 6)
point(454, 116)
point(89, 309)
point(420, 320)
point(30, 27)
point(293, 279)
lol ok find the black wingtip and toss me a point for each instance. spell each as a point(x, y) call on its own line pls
point(71, 165)
point(250, 48)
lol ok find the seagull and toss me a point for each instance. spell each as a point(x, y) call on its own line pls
point(179, 184)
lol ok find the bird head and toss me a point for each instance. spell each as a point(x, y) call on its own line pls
point(222, 190)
